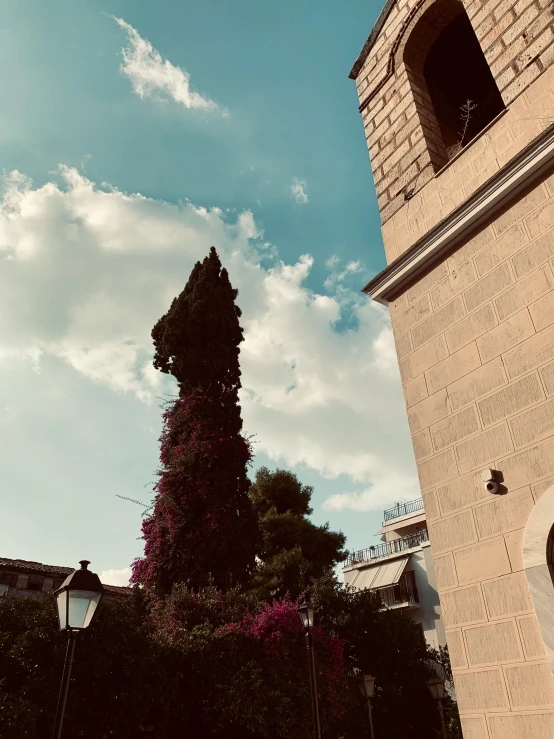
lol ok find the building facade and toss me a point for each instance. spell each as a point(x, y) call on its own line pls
point(22, 579)
point(457, 102)
point(401, 569)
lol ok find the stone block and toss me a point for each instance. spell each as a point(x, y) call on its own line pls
point(462, 607)
point(453, 285)
point(481, 381)
point(415, 390)
point(453, 367)
point(541, 487)
point(511, 399)
point(481, 690)
point(502, 249)
point(530, 685)
point(471, 247)
point(531, 637)
point(401, 302)
point(428, 411)
point(452, 532)
point(474, 727)
point(456, 649)
point(423, 447)
point(528, 466)
point(445, 571)
point(493, 644)
point(547, 375)
point(461, 492)
point(534, 424)
point(471, 327)
point(505, 336)
point(525, 291)
point(440, 468)
point(420, 360)
point(483, 448)
point(504, 513)
point(454, 428)
point(534, 351)
point(413, 315)
point(540, 220)
point(482, 561)
point(441, 320)
point(403, 345)
point(431, 505)
point(542, 311)
point(532, 256)
point(487, 288)
point(514, 545)
point(427, 281)
point(507, 596)
point(522, 726)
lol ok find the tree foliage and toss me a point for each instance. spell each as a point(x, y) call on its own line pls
point(202, 527)
point(293, 551)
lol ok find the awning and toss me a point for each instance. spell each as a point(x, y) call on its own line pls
point(381, 575)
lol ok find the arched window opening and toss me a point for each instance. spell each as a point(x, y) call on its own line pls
point(455, 93)
point(462, 89)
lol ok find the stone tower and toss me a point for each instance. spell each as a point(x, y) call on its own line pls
point(457, 101)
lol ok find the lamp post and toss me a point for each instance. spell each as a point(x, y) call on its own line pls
point(367, 689)
point(307, 617)
point(77, 599)
point(436, 687)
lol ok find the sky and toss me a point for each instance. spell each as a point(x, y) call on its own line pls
point(133, 136)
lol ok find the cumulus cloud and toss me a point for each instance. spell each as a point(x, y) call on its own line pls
point(97, 267)
point(336, 275)
point(152, 75)
point(116, 577)
point(298, 190)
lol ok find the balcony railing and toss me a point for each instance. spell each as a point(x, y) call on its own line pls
point(398, 595)
point(401, 509)
point(388, 548)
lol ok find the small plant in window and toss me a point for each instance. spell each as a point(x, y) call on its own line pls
point(467, 108)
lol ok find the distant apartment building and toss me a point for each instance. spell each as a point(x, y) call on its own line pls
point(22, 579)
point(401, 570)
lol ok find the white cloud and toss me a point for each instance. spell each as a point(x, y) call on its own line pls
point(88, 271)
point(298, 190)
point(337, 276)
point(116, 577)
point(152, 75)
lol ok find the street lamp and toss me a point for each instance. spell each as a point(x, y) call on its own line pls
point(77, 600)
point(436, 688)
point(307, 617)
point(367, 689)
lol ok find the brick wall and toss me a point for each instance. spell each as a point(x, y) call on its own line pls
point(475, 343)
point(517, 38)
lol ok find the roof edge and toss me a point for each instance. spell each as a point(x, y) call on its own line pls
point(371, 39)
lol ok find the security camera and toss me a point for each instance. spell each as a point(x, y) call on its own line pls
point(491, 480)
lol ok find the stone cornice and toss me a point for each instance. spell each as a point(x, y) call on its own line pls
point(516, 175)
point(371, 39)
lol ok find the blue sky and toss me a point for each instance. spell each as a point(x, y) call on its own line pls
point(133, 136)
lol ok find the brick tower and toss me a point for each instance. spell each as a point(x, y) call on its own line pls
point(457, 101)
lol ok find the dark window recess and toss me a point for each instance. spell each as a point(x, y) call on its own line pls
point(57, 584)
point(8, 578)
point(405, 591)
point(456, 72)
point(35, 582)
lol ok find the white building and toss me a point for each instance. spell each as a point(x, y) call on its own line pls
point(401, 569)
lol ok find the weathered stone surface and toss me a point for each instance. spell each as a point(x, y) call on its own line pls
point(480, 690)
point(452, 532)
point(508, 401)
point(493, 643)
point(452, 368)
point(478, 383)
point(530, 685)
point(482, 561)
point(463, 606)
point(507, 596)
point(483, 448)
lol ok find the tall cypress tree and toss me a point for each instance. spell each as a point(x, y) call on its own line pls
point(202, 526)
